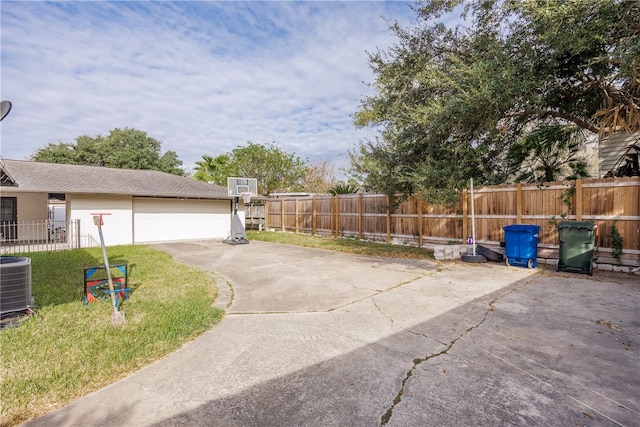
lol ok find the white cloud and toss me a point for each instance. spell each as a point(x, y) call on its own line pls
point(201, 77)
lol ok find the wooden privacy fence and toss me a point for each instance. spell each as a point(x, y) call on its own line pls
point(254, 216)
point(605, 202)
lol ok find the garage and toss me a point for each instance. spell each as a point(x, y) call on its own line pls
point(140, 205)
point(166, 219)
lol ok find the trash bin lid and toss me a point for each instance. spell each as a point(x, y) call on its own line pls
point(533, 228)
point(576, 224)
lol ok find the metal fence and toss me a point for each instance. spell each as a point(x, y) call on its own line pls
point(39, 236)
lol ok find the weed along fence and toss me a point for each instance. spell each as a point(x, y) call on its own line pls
point(612, 204)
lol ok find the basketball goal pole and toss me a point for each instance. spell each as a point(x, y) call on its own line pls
point(245, 188)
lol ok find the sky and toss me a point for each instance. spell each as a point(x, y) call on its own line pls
point(201, 77)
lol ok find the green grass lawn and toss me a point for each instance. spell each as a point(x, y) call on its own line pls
point(341, 244)
point(67, 350)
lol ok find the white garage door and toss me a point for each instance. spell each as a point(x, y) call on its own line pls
point(157, 220)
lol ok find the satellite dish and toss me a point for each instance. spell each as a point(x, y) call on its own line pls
point(5, 107)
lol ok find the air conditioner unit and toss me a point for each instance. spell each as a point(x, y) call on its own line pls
point(15, 284)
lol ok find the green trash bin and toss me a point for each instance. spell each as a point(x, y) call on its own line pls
point(576, 246)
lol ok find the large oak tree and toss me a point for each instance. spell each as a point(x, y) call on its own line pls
point(476, 99)
point(122, 148)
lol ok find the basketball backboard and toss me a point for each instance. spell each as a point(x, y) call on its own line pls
point(240, 186)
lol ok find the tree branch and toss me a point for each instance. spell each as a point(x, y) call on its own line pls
point(578, 121)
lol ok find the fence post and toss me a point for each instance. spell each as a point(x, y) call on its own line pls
point(360, 213)
point(332, 216)
point(418, 198)
point(314, 220)
point(282, 214)
point(519, 203)
point(465, 214)
point(77, 232)
point(266, 215)
point(297, 221)
point(338, 215)
point(578, 207)
point(388, 219)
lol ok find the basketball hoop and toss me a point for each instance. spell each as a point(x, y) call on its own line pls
point(237, 187)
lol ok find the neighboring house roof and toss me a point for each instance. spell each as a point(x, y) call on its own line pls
point(5, 178)
point(36, 177)
point(613, 149)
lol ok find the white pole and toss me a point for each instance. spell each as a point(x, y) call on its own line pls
point(473, 221)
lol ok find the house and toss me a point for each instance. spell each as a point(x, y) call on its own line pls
point(618, 151)
point(143, 205)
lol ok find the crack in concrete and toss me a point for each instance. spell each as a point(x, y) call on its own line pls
point(372, 295)
point(416, 362)
point(375, 304)
point(421, 271)
point(417, 276)
point(420, 334)
point(338, 307)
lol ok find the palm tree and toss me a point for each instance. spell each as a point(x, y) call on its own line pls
point(214, 170)
point(549, 153)
point(621, 109)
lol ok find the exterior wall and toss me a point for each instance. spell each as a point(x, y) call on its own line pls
point(159, 219)
point(118, 226)
point(31, 207)
point(610, 150)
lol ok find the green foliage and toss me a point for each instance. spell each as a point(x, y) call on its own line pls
point(548, 154)
point(68, 350)
point(214, 169)
point(567, 199)
point(274, 169)
point(347, 188)
point(450, 102)
point(617, 243)
point(567, 196)
point(122, 148)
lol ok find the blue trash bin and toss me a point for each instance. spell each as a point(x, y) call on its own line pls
point(521, 244)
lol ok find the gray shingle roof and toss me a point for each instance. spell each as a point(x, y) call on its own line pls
point(60, 178)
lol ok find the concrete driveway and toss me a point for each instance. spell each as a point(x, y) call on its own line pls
point(318, 338)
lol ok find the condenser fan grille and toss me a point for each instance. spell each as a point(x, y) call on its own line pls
point(15, 284)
